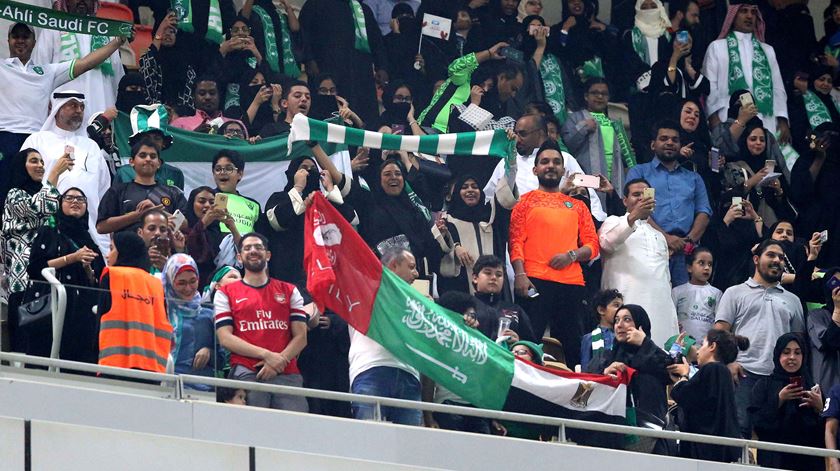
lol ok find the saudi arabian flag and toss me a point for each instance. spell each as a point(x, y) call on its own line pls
point(344, 275)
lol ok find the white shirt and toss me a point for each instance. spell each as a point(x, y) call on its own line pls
point(716, 69)
point(25, 94)
point(366, 354)
point(526, 180)
point(636, 264)
point(100, 90)
point(90, 172)
point(696, 307)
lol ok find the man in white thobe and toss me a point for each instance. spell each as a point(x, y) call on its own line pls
point(635, 259)
point(90, 173)
point(744, 21)
point(100, 84)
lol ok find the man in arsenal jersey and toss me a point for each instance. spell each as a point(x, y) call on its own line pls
point(262, 322)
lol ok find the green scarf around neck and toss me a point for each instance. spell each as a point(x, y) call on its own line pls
point(762, 88)
point(816, 110)
point(184, 10)
point(555, 92)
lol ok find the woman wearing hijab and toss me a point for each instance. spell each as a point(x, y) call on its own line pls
point(239, 52)
point(813, 107)
point(392, 215)
point(694, 137)
point(785, 407)
point(131, 92)
point(258, 102)
point(633, 347)
point(285, 213)
point(731, 235)
point(544, 79)
point(203, 234)
point(477, 228)
point(707, 398)
point(267, 24)
point(648, 42)
point(823, 332)
point(193, 335)
point(69, 249)
point(29, 206)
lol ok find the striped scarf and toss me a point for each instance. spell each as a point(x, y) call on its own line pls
point(359, 27)
point(70, 50)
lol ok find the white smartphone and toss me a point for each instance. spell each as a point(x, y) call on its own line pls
point(70, 150)
point(649, 193)
point(588, 181)
point(737, 200)
point(823, 237)
point(179, 219)
point(771, 164)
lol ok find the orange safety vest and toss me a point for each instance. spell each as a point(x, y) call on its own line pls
point(136, 332)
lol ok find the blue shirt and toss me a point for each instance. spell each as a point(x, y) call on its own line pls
point(586, 345)
point(680, 195)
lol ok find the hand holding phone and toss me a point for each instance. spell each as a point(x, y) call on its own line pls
point(588, 181)
point(70, 150)
point(649, 193)
point(221, 201)
point(179, 219)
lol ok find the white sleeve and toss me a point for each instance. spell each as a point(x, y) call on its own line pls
point(613, 233)
point(490, 188)
point(712, 67)
point(221, 308)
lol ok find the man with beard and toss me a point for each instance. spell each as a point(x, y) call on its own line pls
point(262, 322)
point(100, 85)
point(761, 310)
point(63, 134)
point(206, 100)
point(551, 234)
point(684, 14)
point(682, 204)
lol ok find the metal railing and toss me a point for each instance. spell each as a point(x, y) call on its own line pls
point(177, 383)
point(58, 306)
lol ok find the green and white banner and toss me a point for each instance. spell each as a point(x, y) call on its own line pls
point(61, 21)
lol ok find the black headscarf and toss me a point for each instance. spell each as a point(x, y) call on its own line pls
point(193, 218)
point(20, 178)
point(313, 179)
point(699, 135)
point(640, 317)
point(400, 211)
point(756, 162)
point(394, 113)
point(131, 251)
point(529, 43)
point(127, 100)
point(459, 209)
point(76, 228)
point(827, 100)
point(589, 7)
point(804, 371)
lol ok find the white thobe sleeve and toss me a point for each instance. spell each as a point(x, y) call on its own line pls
point(613, 233)
point(779, 94)
point(715, 68)
point(490, 187)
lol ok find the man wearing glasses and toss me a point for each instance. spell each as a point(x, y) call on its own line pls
point(228, 169)
point(261, 321)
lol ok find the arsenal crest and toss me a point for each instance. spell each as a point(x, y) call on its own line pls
point(280, 298)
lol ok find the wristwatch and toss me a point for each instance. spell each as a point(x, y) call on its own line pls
point(573, 255)
point(672, 69)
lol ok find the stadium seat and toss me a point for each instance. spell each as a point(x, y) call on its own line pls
point(115, 11)
point(142, 41)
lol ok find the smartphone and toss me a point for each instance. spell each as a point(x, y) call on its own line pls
point(746, 99)
point(796, 381)
point(771, 164)
point(649, 193)
point(714, 160)
point(70, 150)
point(823, 237)
point(588, 181)
point(179, 219)
point(423, 286)
point(832, 284)
point(533, 293)
point(221, 201)
point(682, 36)
point(737, 201)
point(398, 129)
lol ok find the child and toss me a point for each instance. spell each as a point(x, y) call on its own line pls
point(231, 396)
point(606, 303)
point(697, 300)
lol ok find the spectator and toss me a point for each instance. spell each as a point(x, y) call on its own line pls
point(169, 69)
point(374, 371)
point(132, 92)
point(697, 300)
point(161, 239)
point(677, 74)
point(30, 204)
point(239, 52)
point(647, 43)
point(100, 85)
point(477, 226)
point(606, 303)
point(544, 74)
point(63, 133)
point(790, 30)
point(203, 234)
point(324, 363)
point(100, 130)
point(228, 170)
point(382, 11)
point(696, 143)
point(295, 99)
point(824, 334)
point(795, 253)
point(406, 64)
point(634, 348)
point(342, 39)
point(262, 322)
point(733, 231)
point(69, 249)
point(488, 279)
point(742, 32)
point(134, 331)
point(29, 86)
point(636, 260)
point(207, 112)
point(785, 407)
point(234, 130)
point(237, 397)
point(123, 204)
point(276, 32)
point(258, 100)
point(551, 234)
point(707, 399)
point(223, 276)
point(193, 342)
point(683, 210)
point(528, 8)
point(813, 107)
point(151, 121)
point(600, 143)
point(468, 37)
point(761, 310)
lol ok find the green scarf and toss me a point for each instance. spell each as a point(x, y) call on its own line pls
point(640, 44)
point(815, 108)
point(290, 65)
point(417, 202)
point(359, 27)
point(762, 75)
point(555, 93)
point(70, 50)
point(183, 8)
point(597, 340)
point(61, 21)
point(270, 38)
point(623, 141)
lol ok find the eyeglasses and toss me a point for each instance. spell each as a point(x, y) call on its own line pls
point(74, 199)
point(601, 94)
point(243, 29)
point(253, 248)
point(327, 91)
point(233, 132)
point(402, 99)
point(224, 170)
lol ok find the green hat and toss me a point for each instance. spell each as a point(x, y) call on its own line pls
point(687, 343)
point(148, 118)
point(536, 350)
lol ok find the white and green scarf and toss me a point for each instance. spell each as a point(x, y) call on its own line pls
point(290, 66)
point(640, 44)
point(183, 8)
point(762, 88)
point(70, 50)
point(555, 92)
point(817, 111)
point(623, 140)
point(359, 27)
